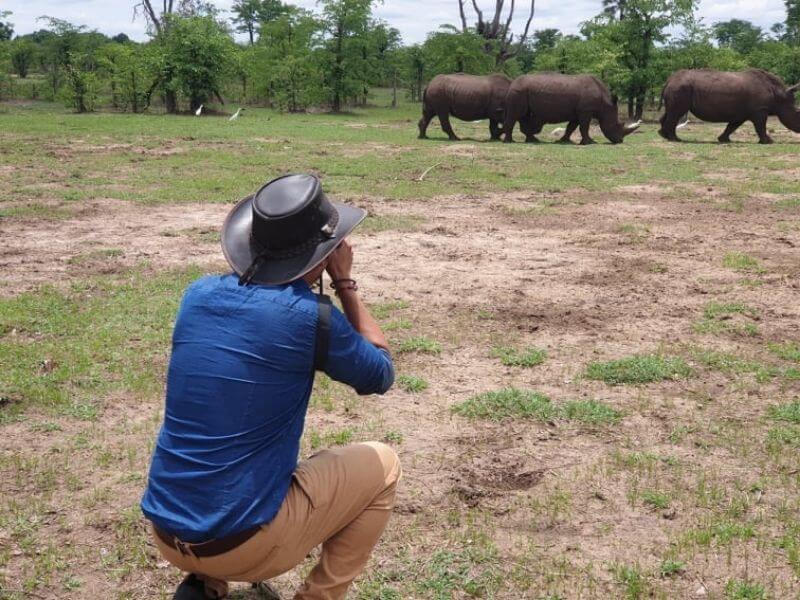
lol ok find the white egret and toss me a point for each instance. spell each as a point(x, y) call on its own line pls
point(236, 114)
point(198, 111)
point(684, 124)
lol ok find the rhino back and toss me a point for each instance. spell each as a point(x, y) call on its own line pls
point(467, 97)
point(724, 96)
point(555, 97)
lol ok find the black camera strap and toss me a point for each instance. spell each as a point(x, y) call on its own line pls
point(322, 342)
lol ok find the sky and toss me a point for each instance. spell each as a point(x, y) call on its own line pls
point(414, 18)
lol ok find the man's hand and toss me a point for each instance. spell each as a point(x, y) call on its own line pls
point(340, 262)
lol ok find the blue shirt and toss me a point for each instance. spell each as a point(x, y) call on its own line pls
point(238, 385)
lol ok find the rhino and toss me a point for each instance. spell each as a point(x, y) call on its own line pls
point(534, 100)
point(466, 97)
point(728, 97)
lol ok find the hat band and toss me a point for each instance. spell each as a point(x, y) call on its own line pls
point(325, 233)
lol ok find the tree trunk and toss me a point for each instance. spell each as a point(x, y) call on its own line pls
point(394, 89)
point(171, 101)
point(639, 108)
point(631, 109)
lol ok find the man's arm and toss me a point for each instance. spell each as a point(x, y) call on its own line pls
point(340, 265)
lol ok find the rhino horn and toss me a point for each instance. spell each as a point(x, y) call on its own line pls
point(793, 88)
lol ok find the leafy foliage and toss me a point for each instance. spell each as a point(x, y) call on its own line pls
point(639, 369)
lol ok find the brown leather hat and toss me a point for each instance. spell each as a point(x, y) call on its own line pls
point(284, 230)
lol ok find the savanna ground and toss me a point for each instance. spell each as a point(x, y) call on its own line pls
point(598, 348)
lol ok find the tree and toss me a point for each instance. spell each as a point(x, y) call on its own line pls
point(496, 31)
point(121, 38)
point(791, 32)
point(285, 64)
point(197, 53)
point(22, 53)
point(449, 50)
point(345, 23)
point(644, 24)
point(6, 28)
point(741, 36)
point(615, 8)
point(247, 16)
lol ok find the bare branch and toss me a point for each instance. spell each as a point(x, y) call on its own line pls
point(528, 24)
point(480, 14)
point(508, 24)
point(498, 9)
point(463, 16)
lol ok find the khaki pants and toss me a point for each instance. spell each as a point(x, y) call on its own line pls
point(341, 498)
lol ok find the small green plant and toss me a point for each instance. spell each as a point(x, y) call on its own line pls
point(744, 590)
point(718, 318)
point(632, 580)
point(393, 437)
point(786, 351)
point(739, 261)
point(779, 437)
point(656, 499)
point(330, 438)
point(412, 384)
point(385, 309)
point(420, 345)
point(507, 403)
point(512, 357)
point(380, 223)
point(591, 412)
point(789, 412)
point(657, 268)
point(398, 324)
point(639, 369)
point(671, 568)
point(723, 533)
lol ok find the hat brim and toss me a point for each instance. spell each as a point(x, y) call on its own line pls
point(240, 251)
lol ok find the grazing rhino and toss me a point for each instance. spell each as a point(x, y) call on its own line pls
point(466, 97)
point(728, 97)
point(534, 100)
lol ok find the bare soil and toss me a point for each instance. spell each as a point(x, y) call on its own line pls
point(479, 272)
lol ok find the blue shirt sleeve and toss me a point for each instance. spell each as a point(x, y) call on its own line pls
point(354, 361)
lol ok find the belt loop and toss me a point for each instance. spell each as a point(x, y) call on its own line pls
point(183, 548)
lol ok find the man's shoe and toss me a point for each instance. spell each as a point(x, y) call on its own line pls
point(191, 588)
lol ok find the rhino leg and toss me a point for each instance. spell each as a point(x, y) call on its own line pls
point(760, 123)
point(427, 115)
point(725, 138)
point(444, 121)
point(566, 138)
point(495, 130)
point(585, 122)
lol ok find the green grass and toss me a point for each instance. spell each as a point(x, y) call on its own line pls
point(66, 350)
point(786, 351)
point(745, 590)
point(513, 403)
point(513, 357)
point(671, 568)
point(590, 412)
point(400, 223)
point(789, 412)
point(420, 345)
point(639, 369)
point(718, 318)
point(340, 437)
point(507, 403)
point(386, 309)
point(721, 533)
point(655, 499)
point(632, 580)
point(412, 384)
point(743, 263)
point(154, 158)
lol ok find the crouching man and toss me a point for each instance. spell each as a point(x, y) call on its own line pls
point(226, 496)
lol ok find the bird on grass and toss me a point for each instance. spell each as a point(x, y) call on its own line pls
point(236, 114)
point(684, 124)
point(198, 111)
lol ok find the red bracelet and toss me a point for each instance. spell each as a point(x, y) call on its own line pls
point(351, 285)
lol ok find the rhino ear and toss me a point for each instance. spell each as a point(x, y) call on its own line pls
point(794, 88)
